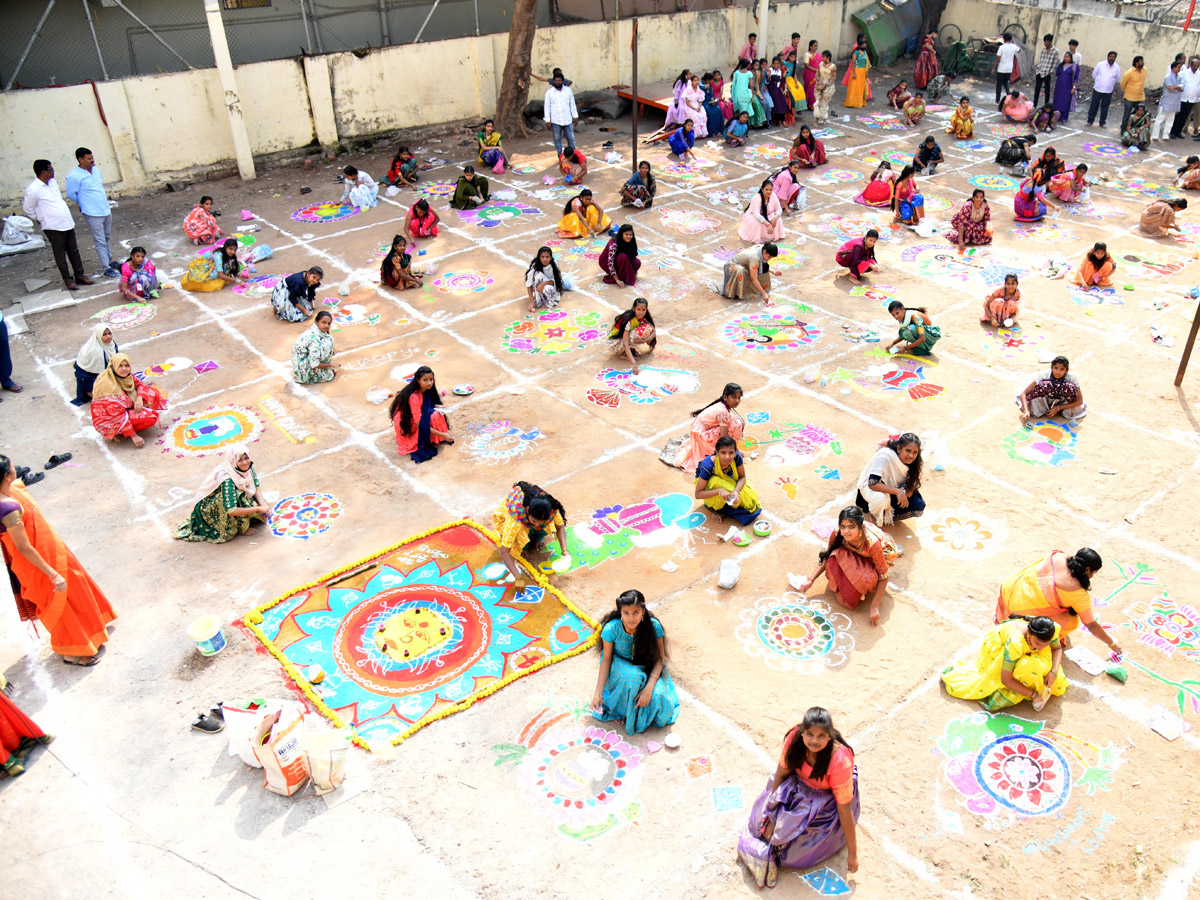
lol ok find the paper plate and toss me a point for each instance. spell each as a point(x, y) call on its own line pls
point(464, 389)
point(495, 571)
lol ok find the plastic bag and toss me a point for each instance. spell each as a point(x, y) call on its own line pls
point(242, 716)
point(730, 571)
point(259, 253)
point(325, 758)
point(17, 230)
point(277, 747)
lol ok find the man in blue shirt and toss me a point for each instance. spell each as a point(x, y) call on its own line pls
point(85, 186)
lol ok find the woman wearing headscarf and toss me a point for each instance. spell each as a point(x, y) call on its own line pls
point(312, 353)
point(92, 359)
point(631, 329)
point(523, 520)
point(619, 260)
point(228, 502)
point(123, 404)
point(49, 583)
point(419, 427)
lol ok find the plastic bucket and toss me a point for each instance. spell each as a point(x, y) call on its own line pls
point(206, 632)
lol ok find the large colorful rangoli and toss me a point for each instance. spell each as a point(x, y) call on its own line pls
point(417, 632)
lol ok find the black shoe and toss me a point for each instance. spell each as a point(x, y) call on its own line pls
point(208, 724)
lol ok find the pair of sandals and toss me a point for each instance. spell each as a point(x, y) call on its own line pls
point(28, 477)
point(210, 722)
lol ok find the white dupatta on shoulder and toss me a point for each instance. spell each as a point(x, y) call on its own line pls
point(893, 473)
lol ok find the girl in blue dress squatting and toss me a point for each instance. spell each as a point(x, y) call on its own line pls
point(633, 683)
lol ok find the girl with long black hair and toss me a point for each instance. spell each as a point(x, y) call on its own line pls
point(633, 683)
point(419, 426)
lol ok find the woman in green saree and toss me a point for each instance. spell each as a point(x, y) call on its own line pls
point(227, 502)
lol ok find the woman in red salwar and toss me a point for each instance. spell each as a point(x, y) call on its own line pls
point(123, 404)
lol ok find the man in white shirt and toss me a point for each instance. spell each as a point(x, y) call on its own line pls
point(85, 187)
point(1073, 46)
point(1002, 65)
point(560, 113)
point(1104, 81)
point(1190, 77)
point(44, 202)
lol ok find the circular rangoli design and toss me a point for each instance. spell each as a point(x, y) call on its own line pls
point(462, 283)
point(796, 633)
point(1110, 150)
point(304, 515)
point(836, 175)
point(322, 213)
point(768, 332)
point(127, 315)
point(1024, 773)
point(992, 182)
point(492, 215)
point(438, 188)
point(689, 221)
point(207, 433)
point(661, 288)
point(581, 776)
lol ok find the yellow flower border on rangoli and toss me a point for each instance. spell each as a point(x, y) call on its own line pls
point(254, 618)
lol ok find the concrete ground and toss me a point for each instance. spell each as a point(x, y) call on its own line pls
point(130, 802)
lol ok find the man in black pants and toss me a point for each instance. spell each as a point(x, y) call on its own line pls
point(1002, 65)
point(44, 202)
point(1046, 64)
point(1105, 77)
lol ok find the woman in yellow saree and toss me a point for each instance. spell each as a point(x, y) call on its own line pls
point(1056, 587)
point(858, 88)
point(582, 217)
point(1020, 659)
point(962, 121)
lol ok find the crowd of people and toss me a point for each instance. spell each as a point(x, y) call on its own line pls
point(809, 805)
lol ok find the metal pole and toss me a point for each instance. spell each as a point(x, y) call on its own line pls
point(312, 11)
point(634, 47)
point(88, 12)
point(476, 18)
point(383, 25)
point(426, 22)
point(153, 33)
point(233, 101)
point(1187, 350)
point(29, 46)
point(307, 34)
point(1188, 23)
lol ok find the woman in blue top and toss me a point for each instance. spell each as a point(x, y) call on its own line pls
point(712, 107)
point(683, 140)
point(633, 683)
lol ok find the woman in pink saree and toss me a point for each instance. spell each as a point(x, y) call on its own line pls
point(812, 62)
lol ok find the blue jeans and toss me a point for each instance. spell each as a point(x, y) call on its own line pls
point(101, 228)
point(559, 131)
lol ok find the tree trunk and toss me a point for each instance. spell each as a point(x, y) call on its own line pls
point(932, 18)
point(514, 89)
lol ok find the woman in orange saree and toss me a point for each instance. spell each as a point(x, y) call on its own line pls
point(54, 587)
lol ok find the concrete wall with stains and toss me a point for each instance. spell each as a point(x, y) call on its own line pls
point(1096, 34)
point(163, 126)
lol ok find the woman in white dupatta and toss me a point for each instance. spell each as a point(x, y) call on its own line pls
point(889, 486)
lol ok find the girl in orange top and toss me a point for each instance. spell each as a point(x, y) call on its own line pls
point(1002, 305)
point(419, 427)
point(52, 585)
point(809, 807)
point(1097, 268)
